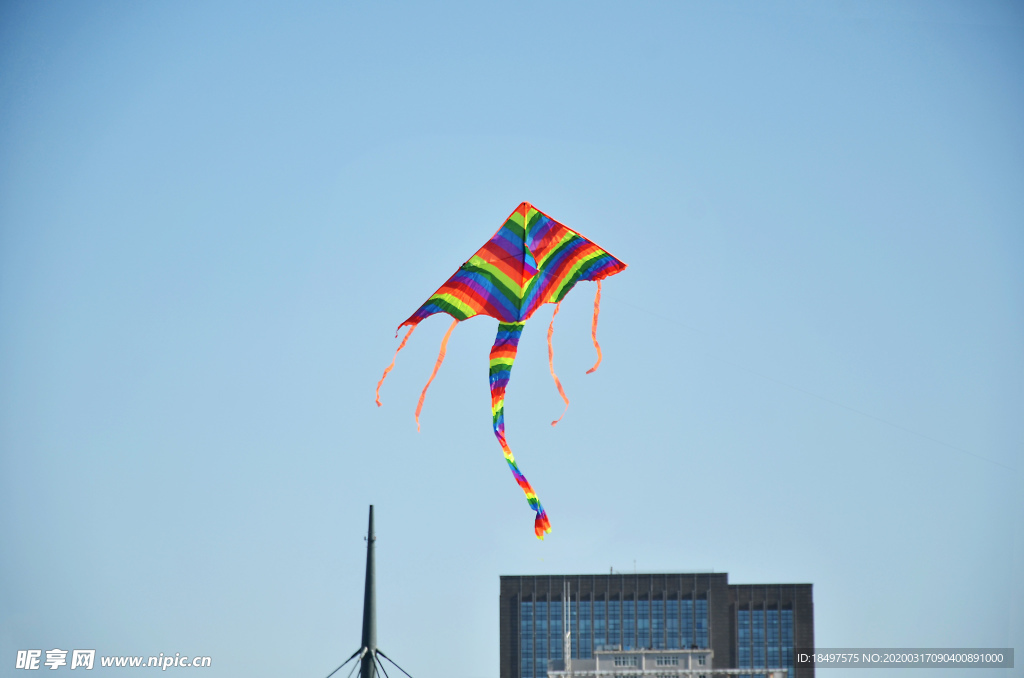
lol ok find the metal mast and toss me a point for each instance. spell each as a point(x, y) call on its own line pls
point(369, 655)
point(368, 668)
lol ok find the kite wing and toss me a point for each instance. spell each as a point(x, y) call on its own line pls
point(531, 260)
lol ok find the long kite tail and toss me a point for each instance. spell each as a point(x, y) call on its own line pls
point(503, 354)
point(551, 364)
point(392, 365)
point(593, 327)
point(437, 366)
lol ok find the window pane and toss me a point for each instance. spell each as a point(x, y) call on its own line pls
point(686, 622)
point(658, 624)
point(744, 656)
point(757, 637)
point(743, 638)
point(786, 623)
point(555, 630)
point(600, 623)
point(643, 623)
point(540, 653)
point(672, 624)
point(574, 628)
point(526, 616)
point(629, 624)
point(585, 630)
point(787, 628)
point(614, 622)
point(701, 614)
point(526, 639)
point(540, 635)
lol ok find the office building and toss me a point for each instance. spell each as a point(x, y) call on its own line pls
point(744, 626)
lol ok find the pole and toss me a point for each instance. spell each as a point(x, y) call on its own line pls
point(368, 669)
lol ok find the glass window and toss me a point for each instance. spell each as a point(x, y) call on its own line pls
point(774, 636)
point(574, 629)
point(526, 639)
point(541, 670)
point(540, 638)
point(586, 637)
point(643, 623)
point(743, 638)
point(701, 622)
point(672, 624)
point(555, 629)
point(658, 624)
point(526, 616)
point(686, 623)
point(628, 624)
point(600, 622)
point(614, 622)
point(743, 627)
point(744, 657)
point(762, 637)
point(526, 655)
point(786, 623)
point(757, 637)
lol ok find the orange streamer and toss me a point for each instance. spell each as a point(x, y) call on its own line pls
point(593, 328)
point(551, 363)
point(437, 366)
point(392, 365)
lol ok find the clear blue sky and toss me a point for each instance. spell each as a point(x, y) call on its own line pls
point(213, 216)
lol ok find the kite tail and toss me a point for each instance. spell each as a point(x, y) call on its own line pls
point(437, 366)
point(593, 327)
point(551, 364)
point(392, 365)
point(503, 354)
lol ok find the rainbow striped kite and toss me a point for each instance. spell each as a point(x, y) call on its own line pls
point(531, 260)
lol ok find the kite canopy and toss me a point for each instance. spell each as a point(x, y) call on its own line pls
point(531, 260)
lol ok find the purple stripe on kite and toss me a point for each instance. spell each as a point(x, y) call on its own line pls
point(486, 289)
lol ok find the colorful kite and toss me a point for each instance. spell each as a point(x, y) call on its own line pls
point(531, 260)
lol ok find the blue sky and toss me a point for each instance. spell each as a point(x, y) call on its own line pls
point(213, 216)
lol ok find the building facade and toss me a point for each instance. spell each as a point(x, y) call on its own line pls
point(650, 663)
point(745, 626)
